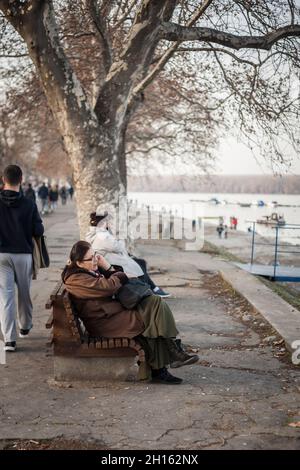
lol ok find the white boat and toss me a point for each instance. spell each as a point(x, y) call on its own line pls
point(273, 219)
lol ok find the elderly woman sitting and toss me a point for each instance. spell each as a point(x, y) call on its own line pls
point(92, 282)
point(114, 251)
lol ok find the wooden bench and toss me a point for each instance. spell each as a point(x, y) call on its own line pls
point(70, 339)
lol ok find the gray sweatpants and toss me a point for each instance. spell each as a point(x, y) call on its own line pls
point(15, 269)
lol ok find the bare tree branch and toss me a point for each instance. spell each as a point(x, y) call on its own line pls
point(125, 15)
point(216, 49)
point(100, 26)
point(137, 53)
point(175, 32)
point(169, 53)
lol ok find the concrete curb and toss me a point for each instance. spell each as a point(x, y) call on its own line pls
point(283, 317)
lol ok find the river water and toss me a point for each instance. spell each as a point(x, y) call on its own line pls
point(194, 205)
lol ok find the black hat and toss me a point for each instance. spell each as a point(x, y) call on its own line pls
point(96, 218)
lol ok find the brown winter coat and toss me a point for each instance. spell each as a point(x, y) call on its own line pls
point(101, 315)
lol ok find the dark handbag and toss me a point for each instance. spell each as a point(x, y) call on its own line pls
point(131, 293)
point(45, 260)
point(41, 252)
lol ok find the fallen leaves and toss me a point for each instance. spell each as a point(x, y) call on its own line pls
point(296, 424)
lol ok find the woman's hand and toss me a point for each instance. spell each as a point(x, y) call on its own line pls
point(102, 263)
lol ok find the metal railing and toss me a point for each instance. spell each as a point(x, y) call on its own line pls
point(276, 244)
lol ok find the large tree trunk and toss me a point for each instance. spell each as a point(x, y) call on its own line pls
point(96, 176)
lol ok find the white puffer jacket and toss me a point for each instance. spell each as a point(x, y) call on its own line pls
point(113, 250)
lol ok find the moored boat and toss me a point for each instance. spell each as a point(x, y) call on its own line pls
point(273, 219)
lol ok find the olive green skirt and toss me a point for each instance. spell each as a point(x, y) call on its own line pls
point(159, 324)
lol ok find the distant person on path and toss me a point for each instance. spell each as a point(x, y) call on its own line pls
point(234, 222)
point(30, 193)
point(220, 229)
point(20, 221)
point(63, 195)
point(92, 282)
point(43, 195)
point(225, 231)
point(115, 252)
point(71, 192)
point(53, 198)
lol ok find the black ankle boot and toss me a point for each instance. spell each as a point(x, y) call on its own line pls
point(162, 376)
point(179, 345)
point(178, 356)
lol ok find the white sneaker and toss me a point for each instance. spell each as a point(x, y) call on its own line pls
point(24, 333)
point(161, 292)
point(10, 346)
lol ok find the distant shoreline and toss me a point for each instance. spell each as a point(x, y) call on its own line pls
point(209, 192)
point(220, 184)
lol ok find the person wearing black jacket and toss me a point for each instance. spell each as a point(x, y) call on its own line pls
point(30, 193)
point(43, 193)
point(19, 222)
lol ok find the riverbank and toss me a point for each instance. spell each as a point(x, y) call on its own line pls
point(237, 248)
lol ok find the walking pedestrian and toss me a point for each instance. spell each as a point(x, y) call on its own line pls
point(30, 193)
point(43, 194)
point(20, 221)
point(220, 229)
point(53, 197)
point(71, 192)
point(63, 195)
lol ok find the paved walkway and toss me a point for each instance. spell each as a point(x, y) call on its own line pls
point(239, 396)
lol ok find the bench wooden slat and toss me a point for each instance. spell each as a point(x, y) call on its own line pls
point(49, 322)
point(75, 332)
point(132, 344)
point(49, 304)
point(57, 290)
point(54, 294)
point(50, 341)
point(70, 316)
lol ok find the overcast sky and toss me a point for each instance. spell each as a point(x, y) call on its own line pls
point(235, 158)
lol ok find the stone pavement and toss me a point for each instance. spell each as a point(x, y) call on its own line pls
point(239, 395)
